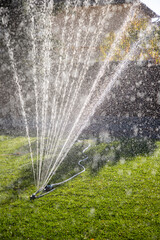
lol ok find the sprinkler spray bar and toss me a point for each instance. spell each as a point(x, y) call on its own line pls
point(43, 192)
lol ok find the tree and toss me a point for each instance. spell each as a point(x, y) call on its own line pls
point(149, 50)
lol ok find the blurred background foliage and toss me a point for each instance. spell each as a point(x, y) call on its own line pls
point(150, 49)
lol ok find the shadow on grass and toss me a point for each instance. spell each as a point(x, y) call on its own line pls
point(122, 149)
point(15, 188)
point(98, 157)
point(68, 168)
point(102, 154)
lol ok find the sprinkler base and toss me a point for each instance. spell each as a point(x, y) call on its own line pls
point(32, 197)
point(46, 190)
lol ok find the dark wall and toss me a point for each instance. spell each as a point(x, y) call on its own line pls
point(11, 3)
point(132, 109)
point(136, 94)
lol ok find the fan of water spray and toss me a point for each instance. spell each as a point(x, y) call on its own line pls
point(67, 85)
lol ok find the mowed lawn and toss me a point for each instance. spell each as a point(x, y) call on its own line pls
point(120, 201)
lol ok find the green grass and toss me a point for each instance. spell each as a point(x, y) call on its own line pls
point(119, 201)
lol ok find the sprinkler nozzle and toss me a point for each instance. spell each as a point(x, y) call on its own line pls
point(32, 197)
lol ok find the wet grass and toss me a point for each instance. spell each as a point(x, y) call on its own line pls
point(117, 199)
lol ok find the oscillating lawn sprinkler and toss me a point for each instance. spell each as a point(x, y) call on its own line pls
point(49, 188)
point(44, 191)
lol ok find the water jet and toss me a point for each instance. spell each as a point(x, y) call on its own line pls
point(50, 187)
point(61, 81)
